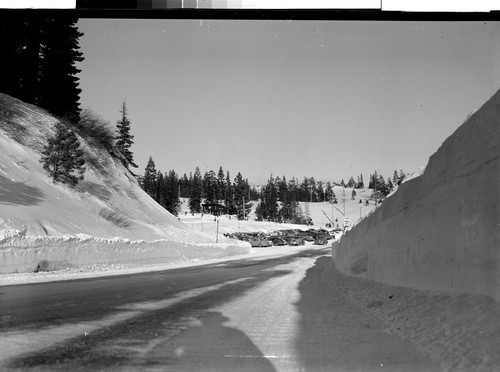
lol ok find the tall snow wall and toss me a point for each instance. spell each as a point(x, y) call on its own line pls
point(439, 231)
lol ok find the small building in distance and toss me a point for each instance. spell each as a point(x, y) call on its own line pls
point(216, 209)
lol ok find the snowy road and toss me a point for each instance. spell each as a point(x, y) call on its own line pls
point(268, 315)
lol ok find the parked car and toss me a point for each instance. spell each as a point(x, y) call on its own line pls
point(307, 238)
point(278, 241)
point(295, 240)
point(260, 242)
point(321, 239)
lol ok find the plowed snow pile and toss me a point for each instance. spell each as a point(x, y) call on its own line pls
point(438, 231)
point(427, 261)
point(107, 218)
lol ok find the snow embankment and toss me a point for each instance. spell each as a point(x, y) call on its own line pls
point(106, 218)
point(48, 253)
point(439, 231)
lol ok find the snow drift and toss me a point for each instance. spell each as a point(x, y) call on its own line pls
point(106, 218)
point(439, 231)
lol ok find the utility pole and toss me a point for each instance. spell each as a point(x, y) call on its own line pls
point(217, 234)
point(243, 206)
point(343, 198)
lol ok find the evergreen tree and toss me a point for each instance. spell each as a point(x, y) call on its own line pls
point(185, 186)
point(270, 200)
point(351, 182)
point(313, 196)
point(401, 177)
point(159, 196)
point(304, 190)
point(285, 199)
point(395, 178)
point(210, 187)
point(39, 57)
point(390, 185)
point(353, 194)
point(320, 192)
point(124, 139)
point(149, 181)
point(58, 86)
point(196, 192)
point(382, 186)
point(229, 196)
point(172, 192)
point(221, 186)
point(243, 207)
point(62, 156)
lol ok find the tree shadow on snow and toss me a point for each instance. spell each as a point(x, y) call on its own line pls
point(18, 193)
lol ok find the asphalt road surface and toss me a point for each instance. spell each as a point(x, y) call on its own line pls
point(248, 315)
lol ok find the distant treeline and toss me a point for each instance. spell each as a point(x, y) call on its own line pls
point(279, 198)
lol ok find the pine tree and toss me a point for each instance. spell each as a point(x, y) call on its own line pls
point(62, 157)
point(172, 192)
point(124, 139)
point(196, 192)
point(270, 200)
point(329, 192)
point(241, 203)
point(39, 57)
point(353, 194)
point(313, 197)
point(320, 192)
point(285, 200)
point(210, 187)
point(401, 177)
point(221, 186)
point(185, 186)
point(150, 178)
point(390, 185)
point(360, 184)
point(229, 196)
point(159, 195)
point(59, 52)
point(395, 178)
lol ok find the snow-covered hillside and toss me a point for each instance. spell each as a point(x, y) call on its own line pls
point(107, 217)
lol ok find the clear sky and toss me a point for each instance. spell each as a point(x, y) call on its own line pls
point(323, 99)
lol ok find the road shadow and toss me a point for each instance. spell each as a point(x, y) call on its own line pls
point(336, 334)
point(210, 346)
point(186, 336)
point(18, 193)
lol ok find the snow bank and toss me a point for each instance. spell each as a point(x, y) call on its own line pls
point(439, 231)
point(21, 253)
point(459, 331)
point(55, 226)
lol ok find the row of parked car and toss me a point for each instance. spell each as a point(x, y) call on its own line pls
point(285, 237)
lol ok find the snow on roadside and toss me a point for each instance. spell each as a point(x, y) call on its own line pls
point(113, 269)
point(460, 331)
